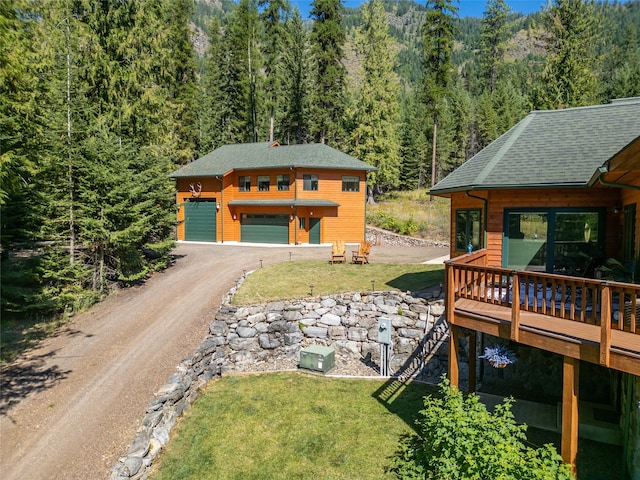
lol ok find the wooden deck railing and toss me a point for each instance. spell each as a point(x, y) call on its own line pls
point(609, 305)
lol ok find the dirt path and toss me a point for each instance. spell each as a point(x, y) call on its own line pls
point(71, 407)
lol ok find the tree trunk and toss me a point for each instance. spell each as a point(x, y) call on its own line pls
point(433, 152)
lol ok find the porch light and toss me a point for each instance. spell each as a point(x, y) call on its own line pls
point(218, 206)
point(235, 217)
point(617, 209)
point(291, 218)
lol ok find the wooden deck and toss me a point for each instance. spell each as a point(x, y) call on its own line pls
point(581, 319)
point(565, 337)
point(585, 319)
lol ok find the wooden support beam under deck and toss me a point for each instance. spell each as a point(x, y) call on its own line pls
point(472, 361)
point(570, 383)
point(454, 333)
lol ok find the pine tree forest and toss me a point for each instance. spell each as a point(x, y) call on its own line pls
point(101, 100)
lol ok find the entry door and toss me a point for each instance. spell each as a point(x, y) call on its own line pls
point(314, 231)
point(200, 220)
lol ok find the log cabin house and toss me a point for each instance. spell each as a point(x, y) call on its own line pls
point(536, 217)
point(271, 193)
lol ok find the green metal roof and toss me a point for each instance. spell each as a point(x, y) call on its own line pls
point(550, 149)
point(260, 156)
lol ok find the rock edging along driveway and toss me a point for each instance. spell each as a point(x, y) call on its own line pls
point(269, 338)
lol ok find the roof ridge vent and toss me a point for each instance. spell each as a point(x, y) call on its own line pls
point(274, 144)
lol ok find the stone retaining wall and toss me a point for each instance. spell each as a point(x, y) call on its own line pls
point(269, 338)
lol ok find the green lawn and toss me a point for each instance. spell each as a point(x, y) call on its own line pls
point(291, 426)
point(294, 279)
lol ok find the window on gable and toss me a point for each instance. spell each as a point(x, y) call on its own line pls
point(263, 183)
point(350, 184)
point(244, 184)
point(282, 182)
point(468, 229)
point(310, 182)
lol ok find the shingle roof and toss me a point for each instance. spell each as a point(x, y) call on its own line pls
point(550, 148)
point(254, 156)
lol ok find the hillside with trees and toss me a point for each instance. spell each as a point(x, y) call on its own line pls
point(100, 101)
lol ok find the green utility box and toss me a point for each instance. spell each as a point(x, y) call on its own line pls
point(317, 357)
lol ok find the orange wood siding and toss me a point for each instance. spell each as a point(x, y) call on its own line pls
point(499, 200)
point(345, 222)
point(211, 188)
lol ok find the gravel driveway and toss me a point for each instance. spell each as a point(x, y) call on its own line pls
point(71, 407)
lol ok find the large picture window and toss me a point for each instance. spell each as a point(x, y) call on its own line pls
point(310, 182)
point(244, 184)
point(556, 240)
point(468, 229)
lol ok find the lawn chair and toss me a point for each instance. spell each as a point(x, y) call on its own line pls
point(338, 252)
point(361, 255)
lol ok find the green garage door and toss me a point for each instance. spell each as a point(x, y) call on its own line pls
point(200, 220)
point(257, 228)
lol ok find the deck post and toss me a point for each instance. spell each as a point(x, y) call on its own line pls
point(453, 355)
point(515, 307)
point(472, 361)
point(570, 376)
point(450, 295)
point(605, 325)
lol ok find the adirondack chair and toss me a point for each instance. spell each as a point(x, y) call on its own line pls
point(338, 253)
point(361, 255)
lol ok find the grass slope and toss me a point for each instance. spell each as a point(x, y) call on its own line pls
point(292, 426)
point(294, 279)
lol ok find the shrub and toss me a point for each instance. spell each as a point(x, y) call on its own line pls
point(457, 438)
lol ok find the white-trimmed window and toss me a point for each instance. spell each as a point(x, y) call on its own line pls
point(350, 184)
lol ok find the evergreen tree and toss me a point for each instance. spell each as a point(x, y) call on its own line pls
point(509, 104)
point(241, 69)
point(274, 14)
point(295, 128)
point(622, 65)
point(211, 80)
point(161, 74)
point(21, 75)
point(493, 40)
point(414, 145)
point(375, 138)
point(98, 192)
point(438, 33)
point(568, 79)
point(487, 121)
point(327, 40)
